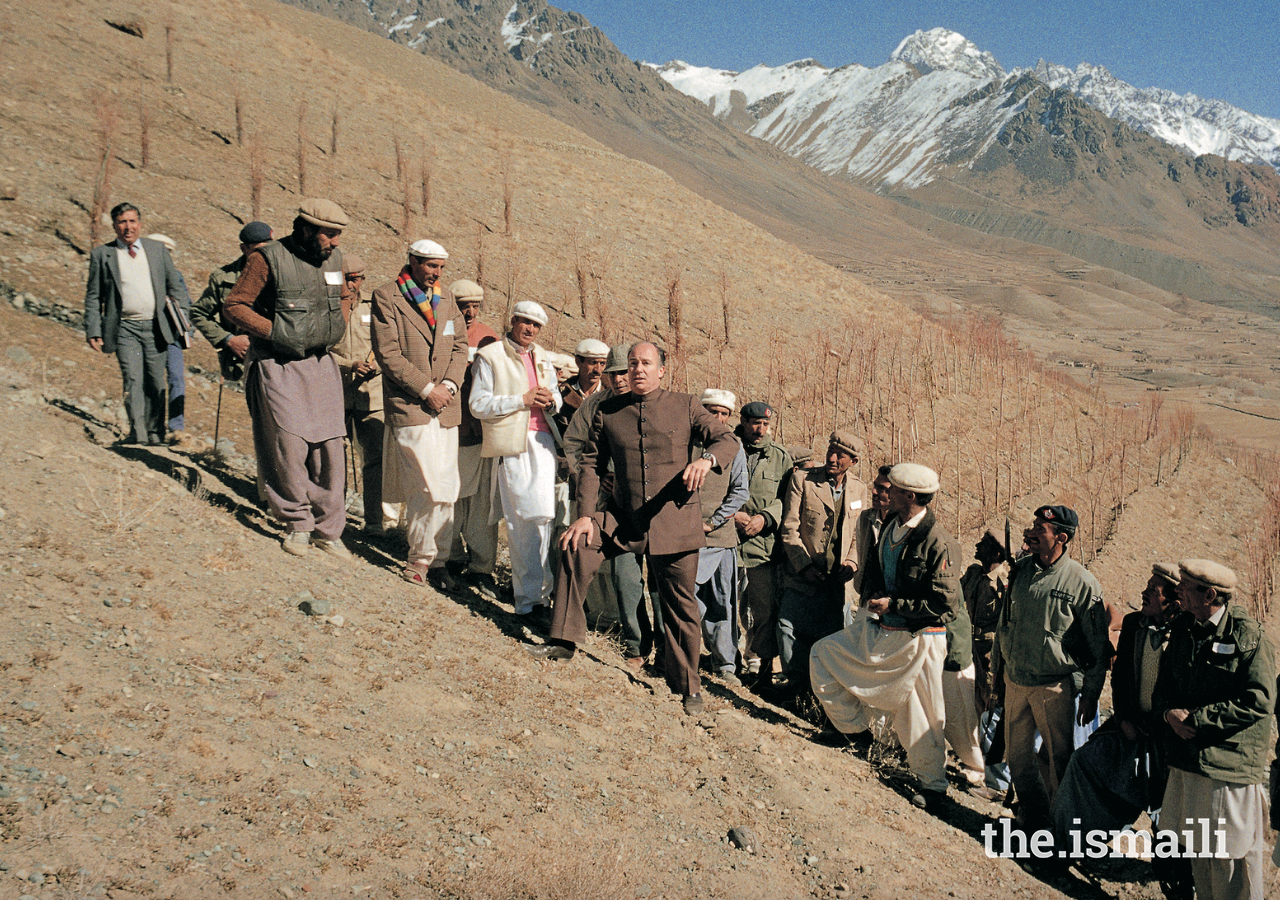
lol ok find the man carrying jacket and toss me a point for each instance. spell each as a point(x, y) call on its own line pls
point(124, 314)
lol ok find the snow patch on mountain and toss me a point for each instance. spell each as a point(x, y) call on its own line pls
point(1194, 125)
point(939, 49)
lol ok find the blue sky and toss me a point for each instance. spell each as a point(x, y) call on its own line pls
point(1228, 51)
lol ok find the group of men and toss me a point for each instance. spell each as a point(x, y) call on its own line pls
point(601, 474)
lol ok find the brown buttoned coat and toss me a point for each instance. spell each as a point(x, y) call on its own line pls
point(412, 357)
point(809, 512)
point(650, 441)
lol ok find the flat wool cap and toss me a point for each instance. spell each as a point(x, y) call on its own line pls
point(255, 233)
point(757, 409)
point(800, 455)
point(352, 264)
point(590, 348)
point(425, 249)
point(718, 397)
point(164, 239)
point(915, 478)
point(527, 309)
point(465, 290)
point(1168, 571)
point(616, 364)
point(848, 442)
point(1208, 573)
point(324, 213)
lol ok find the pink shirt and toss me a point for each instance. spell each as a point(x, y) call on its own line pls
point(537, 419)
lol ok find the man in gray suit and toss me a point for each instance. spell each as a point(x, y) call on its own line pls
point(124, 314)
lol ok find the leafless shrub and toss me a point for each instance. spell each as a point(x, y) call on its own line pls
point(400, 160)
point(675, 330)
point(108, 126)
point(425, 171)
point(144, 127)
point(406, 207)
point(333, 133)
point(539, 872)
point(725, 306)
point(257, 175)
point(239, 118)
point(302, 148)
point(514, 274)
point(168, 51)
point(508, 192)
point(480, 255)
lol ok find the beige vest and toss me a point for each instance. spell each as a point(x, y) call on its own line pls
point(509, 435)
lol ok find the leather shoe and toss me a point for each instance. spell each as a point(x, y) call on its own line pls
point(693, 704)
point(929, 801)
point(636, 664)
point(547, 652)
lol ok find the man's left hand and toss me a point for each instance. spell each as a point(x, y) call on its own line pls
point(1088, 709)
point(439, 398)
point(1180, 721)
point(695, 473)
point(878, 606)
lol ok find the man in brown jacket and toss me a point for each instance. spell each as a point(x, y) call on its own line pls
point(653, 508)
point(420, 341)
point(819, 517)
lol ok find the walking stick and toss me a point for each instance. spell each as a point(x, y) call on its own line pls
point(217, 419)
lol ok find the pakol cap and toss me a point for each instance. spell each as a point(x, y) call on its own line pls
point(915, 478)
point(1208, 573)
point(324, 213)
point(527, 309)
point(721, 398)
point(465, 290)
point(1063, 517)
point(425, 249)
point(801, 455)
point(169, 242)
point(590, 348)
point(352, 264)
point(848, 442)
point(757, 409)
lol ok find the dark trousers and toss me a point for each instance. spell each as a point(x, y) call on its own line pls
point(365, 430)
point(176, 367)
point(675, 576)
point(626, 574)
point(141, 353)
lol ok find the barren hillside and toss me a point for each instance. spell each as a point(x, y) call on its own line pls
point(173, 726)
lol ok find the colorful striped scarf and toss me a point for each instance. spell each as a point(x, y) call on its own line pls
point(414, 294)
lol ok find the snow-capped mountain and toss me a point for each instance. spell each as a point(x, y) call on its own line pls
point(939, 103)
point(1189, 122)
point(938, 48)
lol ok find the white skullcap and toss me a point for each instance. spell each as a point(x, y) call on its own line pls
point(164, 239)
point(590, 348)
point(718, 397)
point(527, 309)
point(425, 249)
point(915, 478)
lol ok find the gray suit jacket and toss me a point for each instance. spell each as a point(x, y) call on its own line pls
point(102, 295)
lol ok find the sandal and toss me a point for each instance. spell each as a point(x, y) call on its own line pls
point(415, 573)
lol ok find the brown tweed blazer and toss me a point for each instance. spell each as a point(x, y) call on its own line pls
point(411, 357)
